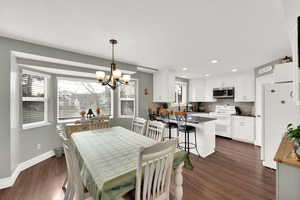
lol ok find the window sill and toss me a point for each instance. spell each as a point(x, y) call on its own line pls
point(73, 120)
point(35, 125)
point(126, 117)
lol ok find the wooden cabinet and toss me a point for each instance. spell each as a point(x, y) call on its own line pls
point(164, 86)
point(243, 128)
point(244, 87)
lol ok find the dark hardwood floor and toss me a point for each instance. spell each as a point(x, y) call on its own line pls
point(233, 172)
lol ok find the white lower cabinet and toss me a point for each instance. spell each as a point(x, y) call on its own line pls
point(243, 128)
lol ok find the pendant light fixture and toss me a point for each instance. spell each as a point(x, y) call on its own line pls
point(115, 78)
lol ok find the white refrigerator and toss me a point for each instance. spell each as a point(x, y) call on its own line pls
point(279, 110)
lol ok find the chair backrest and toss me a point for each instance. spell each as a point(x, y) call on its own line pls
point(155, 130)
point(74, 179)
point(139, 125)
point(157, 161)
point(181, 118)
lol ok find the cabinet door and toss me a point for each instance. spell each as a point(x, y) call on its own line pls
point(210, 84)
point(196, 90)
point(164, 86)
point(283, 72)
point(243, 128)
point(245, 87)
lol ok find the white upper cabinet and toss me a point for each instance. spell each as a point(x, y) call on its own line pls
point(164, 86)
point(196, 90)
point(222, 82)
point(201, 90)
point(296, 72)
point(284, 72)
point(244, 87)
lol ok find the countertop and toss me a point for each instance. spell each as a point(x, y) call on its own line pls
point(245, 115)
point(201, 119)
point(285, 153)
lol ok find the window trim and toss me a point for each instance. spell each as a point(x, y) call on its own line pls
point(76, 79)
point(44, 99)
point(135, 101)
point(186, 85)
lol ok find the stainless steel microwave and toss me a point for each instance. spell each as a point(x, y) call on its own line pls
point(222, 93)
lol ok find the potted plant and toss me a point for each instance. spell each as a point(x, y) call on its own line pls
point(294, 135)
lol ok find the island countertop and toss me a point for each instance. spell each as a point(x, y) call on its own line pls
point(285, 153)
point(196, 119)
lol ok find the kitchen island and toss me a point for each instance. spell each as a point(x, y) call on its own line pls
point(205, 134)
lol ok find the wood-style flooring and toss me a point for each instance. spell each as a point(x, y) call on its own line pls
point(233, 172)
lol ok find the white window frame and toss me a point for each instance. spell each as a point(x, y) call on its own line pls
point(44, 99)
point(135, 101)
point(186, 95)
point(76, 79)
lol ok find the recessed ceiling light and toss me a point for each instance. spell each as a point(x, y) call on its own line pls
point(214, 61)
point(234, 70)
point(184, 69)
point(207, 75)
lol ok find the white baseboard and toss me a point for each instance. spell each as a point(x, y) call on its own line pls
point(9, 181)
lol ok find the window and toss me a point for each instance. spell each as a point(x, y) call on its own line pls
point(34, 98)
point(181, 93)
point(127, 99)
point(76, 95)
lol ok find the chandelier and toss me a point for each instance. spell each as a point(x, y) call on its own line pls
point(115, 78)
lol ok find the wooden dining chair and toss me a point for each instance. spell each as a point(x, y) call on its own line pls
point(139, 125)
point(75, 186)
point(155, 130)
point(156, 162)
point(61, 132)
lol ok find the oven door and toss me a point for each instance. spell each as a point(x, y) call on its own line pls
point(223, 126)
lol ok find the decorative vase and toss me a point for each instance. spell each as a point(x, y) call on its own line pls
point(90, 114)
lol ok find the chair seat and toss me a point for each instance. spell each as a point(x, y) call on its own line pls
point(171, 125)
point(187, 128)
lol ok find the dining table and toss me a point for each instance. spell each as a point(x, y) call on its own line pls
point(108, 161)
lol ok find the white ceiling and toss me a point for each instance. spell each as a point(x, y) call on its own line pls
point(155, 33)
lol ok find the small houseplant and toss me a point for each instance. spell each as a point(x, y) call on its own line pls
point(294, 135)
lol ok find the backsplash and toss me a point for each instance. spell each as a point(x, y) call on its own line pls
point(247, 108)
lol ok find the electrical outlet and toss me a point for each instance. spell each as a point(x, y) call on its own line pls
point(38, 146)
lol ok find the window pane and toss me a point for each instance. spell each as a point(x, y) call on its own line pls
point(77, 95)
point(33, 111)
point(33, 85)
point(127, 107)
point(128, 91)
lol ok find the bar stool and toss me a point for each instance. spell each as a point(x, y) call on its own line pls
point(181, 118)
point(165, 115)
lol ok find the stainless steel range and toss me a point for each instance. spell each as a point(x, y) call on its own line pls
point(223, 115)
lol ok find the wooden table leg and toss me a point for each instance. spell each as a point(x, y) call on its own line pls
point(178, 180)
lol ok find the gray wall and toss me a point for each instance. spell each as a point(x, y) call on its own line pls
point(24, 143)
